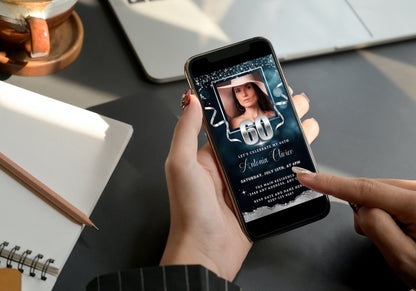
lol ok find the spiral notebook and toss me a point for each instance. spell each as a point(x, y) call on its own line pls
point(71, 150)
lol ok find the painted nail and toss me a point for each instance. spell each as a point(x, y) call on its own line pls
point(186, 98)
point(299, 170)
point(355, 207)
point(306, 96)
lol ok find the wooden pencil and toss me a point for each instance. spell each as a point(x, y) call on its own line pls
point(43, 191)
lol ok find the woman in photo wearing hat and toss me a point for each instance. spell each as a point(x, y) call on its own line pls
point(248, 96)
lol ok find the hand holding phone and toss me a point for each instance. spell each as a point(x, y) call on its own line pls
point(204, 228)
point(256, 137)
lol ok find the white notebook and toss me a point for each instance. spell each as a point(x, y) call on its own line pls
point(71, 150)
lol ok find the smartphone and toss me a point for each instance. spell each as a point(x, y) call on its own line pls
point(256, 136)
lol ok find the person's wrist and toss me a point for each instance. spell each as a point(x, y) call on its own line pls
point(184, 250)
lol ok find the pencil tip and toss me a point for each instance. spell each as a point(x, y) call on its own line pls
point(95, 227)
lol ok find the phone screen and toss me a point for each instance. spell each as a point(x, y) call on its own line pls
point(255, 132)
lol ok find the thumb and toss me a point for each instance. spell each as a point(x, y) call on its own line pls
point(185, 137)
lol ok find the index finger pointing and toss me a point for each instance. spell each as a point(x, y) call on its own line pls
point(367, 192)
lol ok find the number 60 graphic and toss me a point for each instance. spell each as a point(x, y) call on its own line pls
point(262, 130)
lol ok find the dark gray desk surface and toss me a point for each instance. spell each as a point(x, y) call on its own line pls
point(364, 100)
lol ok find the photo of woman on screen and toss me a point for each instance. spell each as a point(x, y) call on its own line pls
point(249, 98)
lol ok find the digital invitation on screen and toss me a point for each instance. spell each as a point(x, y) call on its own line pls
point(257, 135)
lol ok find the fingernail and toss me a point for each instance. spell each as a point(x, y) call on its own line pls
point(299, 170)
point(355, 207)
point(186, 98)
point(306, 96)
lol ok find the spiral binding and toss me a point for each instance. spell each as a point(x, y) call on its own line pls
point(36, 264)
